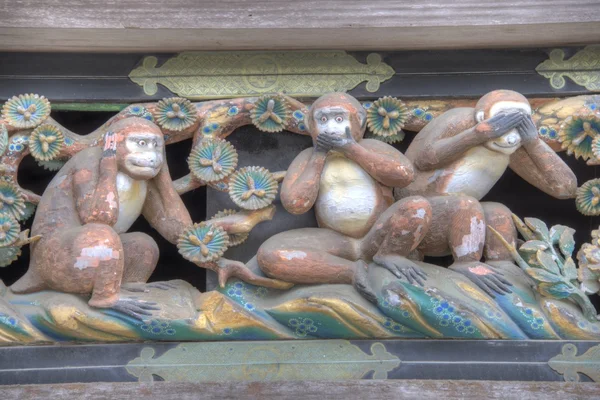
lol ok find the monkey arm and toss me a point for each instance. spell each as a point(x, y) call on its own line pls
point(448, 137)
point(164, 209)
point(95, 188)
point(539, 165)
point(383, 162)
point(300, 186)
point(437, 151)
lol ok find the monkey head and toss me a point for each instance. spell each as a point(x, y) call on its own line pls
point(332, 113)
point(140, 147)
point(506, 101)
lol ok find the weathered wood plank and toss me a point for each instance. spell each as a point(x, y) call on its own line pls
point(362, 389)
point(179, 25)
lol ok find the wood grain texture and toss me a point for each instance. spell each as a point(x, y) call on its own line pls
point(179, 25)
point(358, 389)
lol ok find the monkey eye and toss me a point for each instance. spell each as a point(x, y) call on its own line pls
point(142, 143)
point(339, 119)
point(323, 119)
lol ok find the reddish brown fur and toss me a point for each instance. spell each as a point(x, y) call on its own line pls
point(318, 255)
point(75, 217)
point(440, 149)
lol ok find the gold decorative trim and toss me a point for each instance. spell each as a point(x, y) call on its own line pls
point(212, 75)
point(583, 68)
point(570, 365)
point(273, 361)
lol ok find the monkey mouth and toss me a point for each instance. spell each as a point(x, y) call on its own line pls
point(507, 146)
point(143, 164)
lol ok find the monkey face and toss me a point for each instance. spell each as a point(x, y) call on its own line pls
point(140, 155)
point(332, 113)
point(506, 144)
point(511, 140)
point(331, 121)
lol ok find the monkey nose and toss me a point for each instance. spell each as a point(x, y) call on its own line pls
point(511, 139)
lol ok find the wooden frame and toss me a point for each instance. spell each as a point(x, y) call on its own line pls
point(181, 25)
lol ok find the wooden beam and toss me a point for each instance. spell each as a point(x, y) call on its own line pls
point(180, 25)
point(358, 389)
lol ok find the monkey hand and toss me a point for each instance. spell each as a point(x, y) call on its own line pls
point(108, 162)
point(334, 142)
point(226, 269)
point(486, 277)
point(402, 267)
point(500, 124)
point(110, 145)
point(527, 130)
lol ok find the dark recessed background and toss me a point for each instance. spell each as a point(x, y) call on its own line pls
point(276, 151)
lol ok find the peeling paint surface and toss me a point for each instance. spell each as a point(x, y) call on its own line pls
point(420, 213)
point(290, 255)
point(480, 270)
point(472, 241)
point(91, 256)
point(110, 198)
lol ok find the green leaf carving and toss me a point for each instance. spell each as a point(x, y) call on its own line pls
point(539, 227)
point(566, 242)
point(522, 228)
point(541, 275)
point(547, 262)
point(570, 269)
point(556, 231)
point(557, 290)
point(533, 246)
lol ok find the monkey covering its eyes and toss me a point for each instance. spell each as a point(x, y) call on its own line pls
point(459, 157)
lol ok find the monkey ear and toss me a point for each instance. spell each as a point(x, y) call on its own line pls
point(479, 116)
point(362, 118)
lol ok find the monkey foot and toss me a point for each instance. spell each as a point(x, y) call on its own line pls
point(361, 283)
point(485, 276)
point(402, 267)
point(139, 287)
point(135, 308)
point(234, 269)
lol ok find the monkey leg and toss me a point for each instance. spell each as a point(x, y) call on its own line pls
point(140, 255)
point(498, 217)
point(458, 227)
point(396, 233)
point(83, 259)
point(315, 255)
point(309, 255)
point(399, 230)
point(467, 229)
point(98, 255)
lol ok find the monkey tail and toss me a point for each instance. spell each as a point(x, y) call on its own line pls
point(29, 283)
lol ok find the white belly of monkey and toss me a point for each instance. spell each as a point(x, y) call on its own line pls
point(132, 195)
point(348, 197)
point(477, 173)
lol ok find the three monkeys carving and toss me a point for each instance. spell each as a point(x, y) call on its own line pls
point(375, 207)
